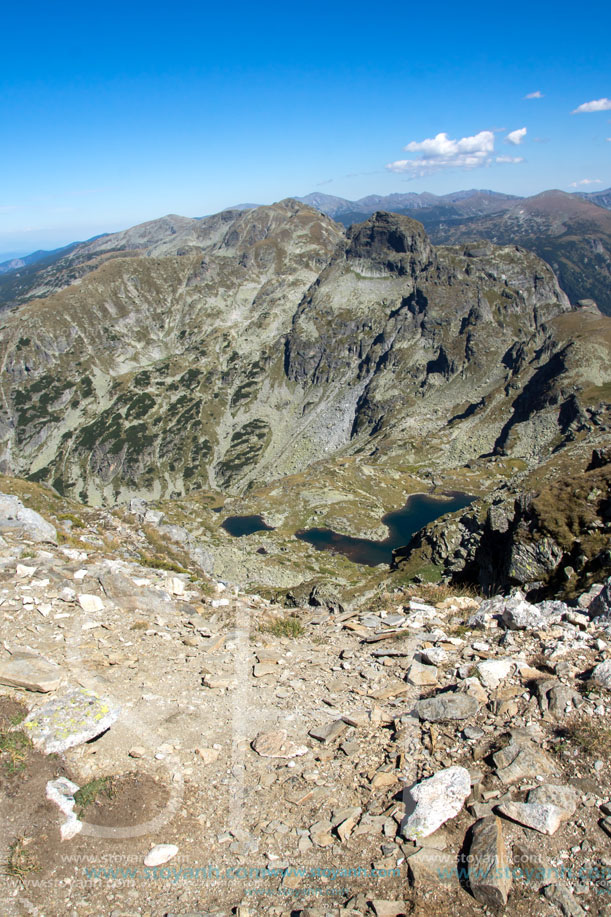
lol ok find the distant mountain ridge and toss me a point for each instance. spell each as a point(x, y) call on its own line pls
point(483, 201)
point(572, 232)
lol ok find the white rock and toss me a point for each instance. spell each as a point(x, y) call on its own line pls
point(90, 603)
point(518, 614)
point(434, 655)
point(430, 803)
point(61, 791)
point(160, 854)
point(24, 571)
point(602, 674)
point(219, 603)
point(541, 817)
point(14, 516)
point(492, 672)
point(175, 585)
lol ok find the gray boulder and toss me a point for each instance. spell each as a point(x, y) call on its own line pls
point(445, 707)
point(15, 517)
point(600, 606)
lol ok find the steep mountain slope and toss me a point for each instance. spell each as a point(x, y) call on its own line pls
point(169, 235)
point(287, 344)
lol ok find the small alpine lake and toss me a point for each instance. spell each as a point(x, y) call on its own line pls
point(419, 510)
point(238, 526)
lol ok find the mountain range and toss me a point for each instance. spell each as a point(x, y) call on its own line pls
point(572, 232)
point(270, 361)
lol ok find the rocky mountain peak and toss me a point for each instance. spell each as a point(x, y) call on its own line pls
point(390, 241)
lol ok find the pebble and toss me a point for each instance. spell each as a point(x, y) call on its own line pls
point(160, 854)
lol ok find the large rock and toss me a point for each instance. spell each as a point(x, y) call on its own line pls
point(600, 606)
point(518, 614)
point(430, 803)
point(533, 560)
point(489, 611)
point(15, 517)
point(489, 872)
point(601, 674)
point(445, 707)
point(542, 817)
point(30, 671)
point(521, 760)
point(563, 797)
point(69, 720)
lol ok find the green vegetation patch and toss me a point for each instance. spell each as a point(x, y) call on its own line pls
point(91, 792)
point(14, 750)
point(288, 626)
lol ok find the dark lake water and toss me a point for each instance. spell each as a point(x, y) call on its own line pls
point(245, 525)
point(419, 510)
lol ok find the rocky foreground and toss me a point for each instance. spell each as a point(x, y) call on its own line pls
point(169, 745)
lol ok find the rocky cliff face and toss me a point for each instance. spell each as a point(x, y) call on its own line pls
point(550, 535)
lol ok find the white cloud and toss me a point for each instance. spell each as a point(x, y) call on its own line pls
point(441, 152)
point(534, 95)
point(586, 181)
point(596, 105)
point(516, 137)
point(512, 159)
point(441, 145)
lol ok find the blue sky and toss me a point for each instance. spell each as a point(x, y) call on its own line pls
point(117, 113)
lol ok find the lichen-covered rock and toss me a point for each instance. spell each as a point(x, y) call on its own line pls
point(69, 720)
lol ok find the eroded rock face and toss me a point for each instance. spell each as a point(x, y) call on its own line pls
point(548, 536)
